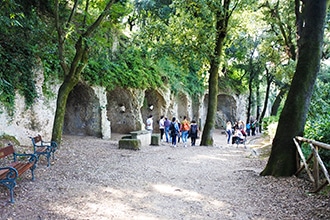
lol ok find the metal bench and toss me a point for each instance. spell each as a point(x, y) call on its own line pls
point(18, 164)
point(41, 147)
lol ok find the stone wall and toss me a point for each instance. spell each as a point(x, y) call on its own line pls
point(33, 121)
point(91, 109)
point(124, 110)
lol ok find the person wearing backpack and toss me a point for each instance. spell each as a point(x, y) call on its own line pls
point(174, 131)
point(193, 132)
point(185, 126)
point(167, 124)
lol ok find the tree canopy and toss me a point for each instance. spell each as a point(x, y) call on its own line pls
point(148, 44)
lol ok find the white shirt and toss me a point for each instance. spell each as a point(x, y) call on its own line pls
point(161, 123)
point(149, 124)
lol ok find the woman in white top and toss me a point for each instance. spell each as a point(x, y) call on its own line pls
point(228, 131)
point(161, 127)
point(149, 123)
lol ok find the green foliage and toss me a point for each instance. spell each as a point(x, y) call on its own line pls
point(177, 36)
point(129, 69)
point(17, 54)
point(5, 139)
point(318, 122)
point(268, 120)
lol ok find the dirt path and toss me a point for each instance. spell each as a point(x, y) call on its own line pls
point(93, 179)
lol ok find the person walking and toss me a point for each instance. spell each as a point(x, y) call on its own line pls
point(185, 126)
point(167, 124)
point(175, 131)
point(193, 132)
point(149, 123)
point(179, 136)
point(228, 131)
point(162, 127)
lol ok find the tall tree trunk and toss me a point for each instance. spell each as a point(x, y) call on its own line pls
point(277, 103)
point(72, 74)
point(62, 98)
point(282, 161)
point(269, 79)
point(70, 81)
point(249, 104)
point(221, 27)
point(257, 104)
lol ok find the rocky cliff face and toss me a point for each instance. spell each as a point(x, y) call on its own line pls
point(29, 122)
point(94, 112)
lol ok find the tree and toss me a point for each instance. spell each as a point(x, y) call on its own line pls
point(184, 47)
point(222, 18)
point(72, 71)
point(310, 25)
point(281, 38)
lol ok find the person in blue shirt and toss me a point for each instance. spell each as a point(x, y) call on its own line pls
point(174, 131)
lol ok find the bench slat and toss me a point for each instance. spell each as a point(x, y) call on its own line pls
point(41, 149)
point(20, 167)
point(3, 174)
point(9, 173)
point(6, 151)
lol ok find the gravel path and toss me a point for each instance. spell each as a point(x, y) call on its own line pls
point(93, 179)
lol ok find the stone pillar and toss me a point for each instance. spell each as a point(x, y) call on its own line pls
point(105, 123)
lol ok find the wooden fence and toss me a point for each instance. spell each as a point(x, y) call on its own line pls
point(316, 160)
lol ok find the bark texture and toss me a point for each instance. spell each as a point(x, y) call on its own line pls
point(283, 160)
point(73, 71)
point(221, 25)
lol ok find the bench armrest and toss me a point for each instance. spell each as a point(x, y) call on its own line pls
point(11, 174)
point(32, 159)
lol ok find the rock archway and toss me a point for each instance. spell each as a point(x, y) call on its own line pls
point(226, 110)
point(83, 113)
point(123, 110)
point(154, 104)
point(184, 106)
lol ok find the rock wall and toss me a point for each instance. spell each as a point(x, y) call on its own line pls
point(33, 121)
point(91, 109)
point(124, 110)
point(86, 112)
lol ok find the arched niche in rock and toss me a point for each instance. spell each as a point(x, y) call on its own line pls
point(184, 106)
point(83, 113)
point(226, 110)
point(123, 110)
point(154, 104)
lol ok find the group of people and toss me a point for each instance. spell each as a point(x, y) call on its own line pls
point(174, 130)
point(238, 132)
point(235, 133)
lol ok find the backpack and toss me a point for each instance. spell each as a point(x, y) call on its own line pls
point(172, 129)
point(172, 126)
point(193, 129)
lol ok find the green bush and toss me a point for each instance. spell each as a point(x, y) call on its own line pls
point(318, 122)
point(269, 121)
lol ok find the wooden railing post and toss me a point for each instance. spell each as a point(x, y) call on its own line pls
point(318, 164)
point(316, 169)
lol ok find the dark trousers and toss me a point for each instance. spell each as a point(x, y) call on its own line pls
point(162, 131)
point(174, 139)
point(193, 141)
